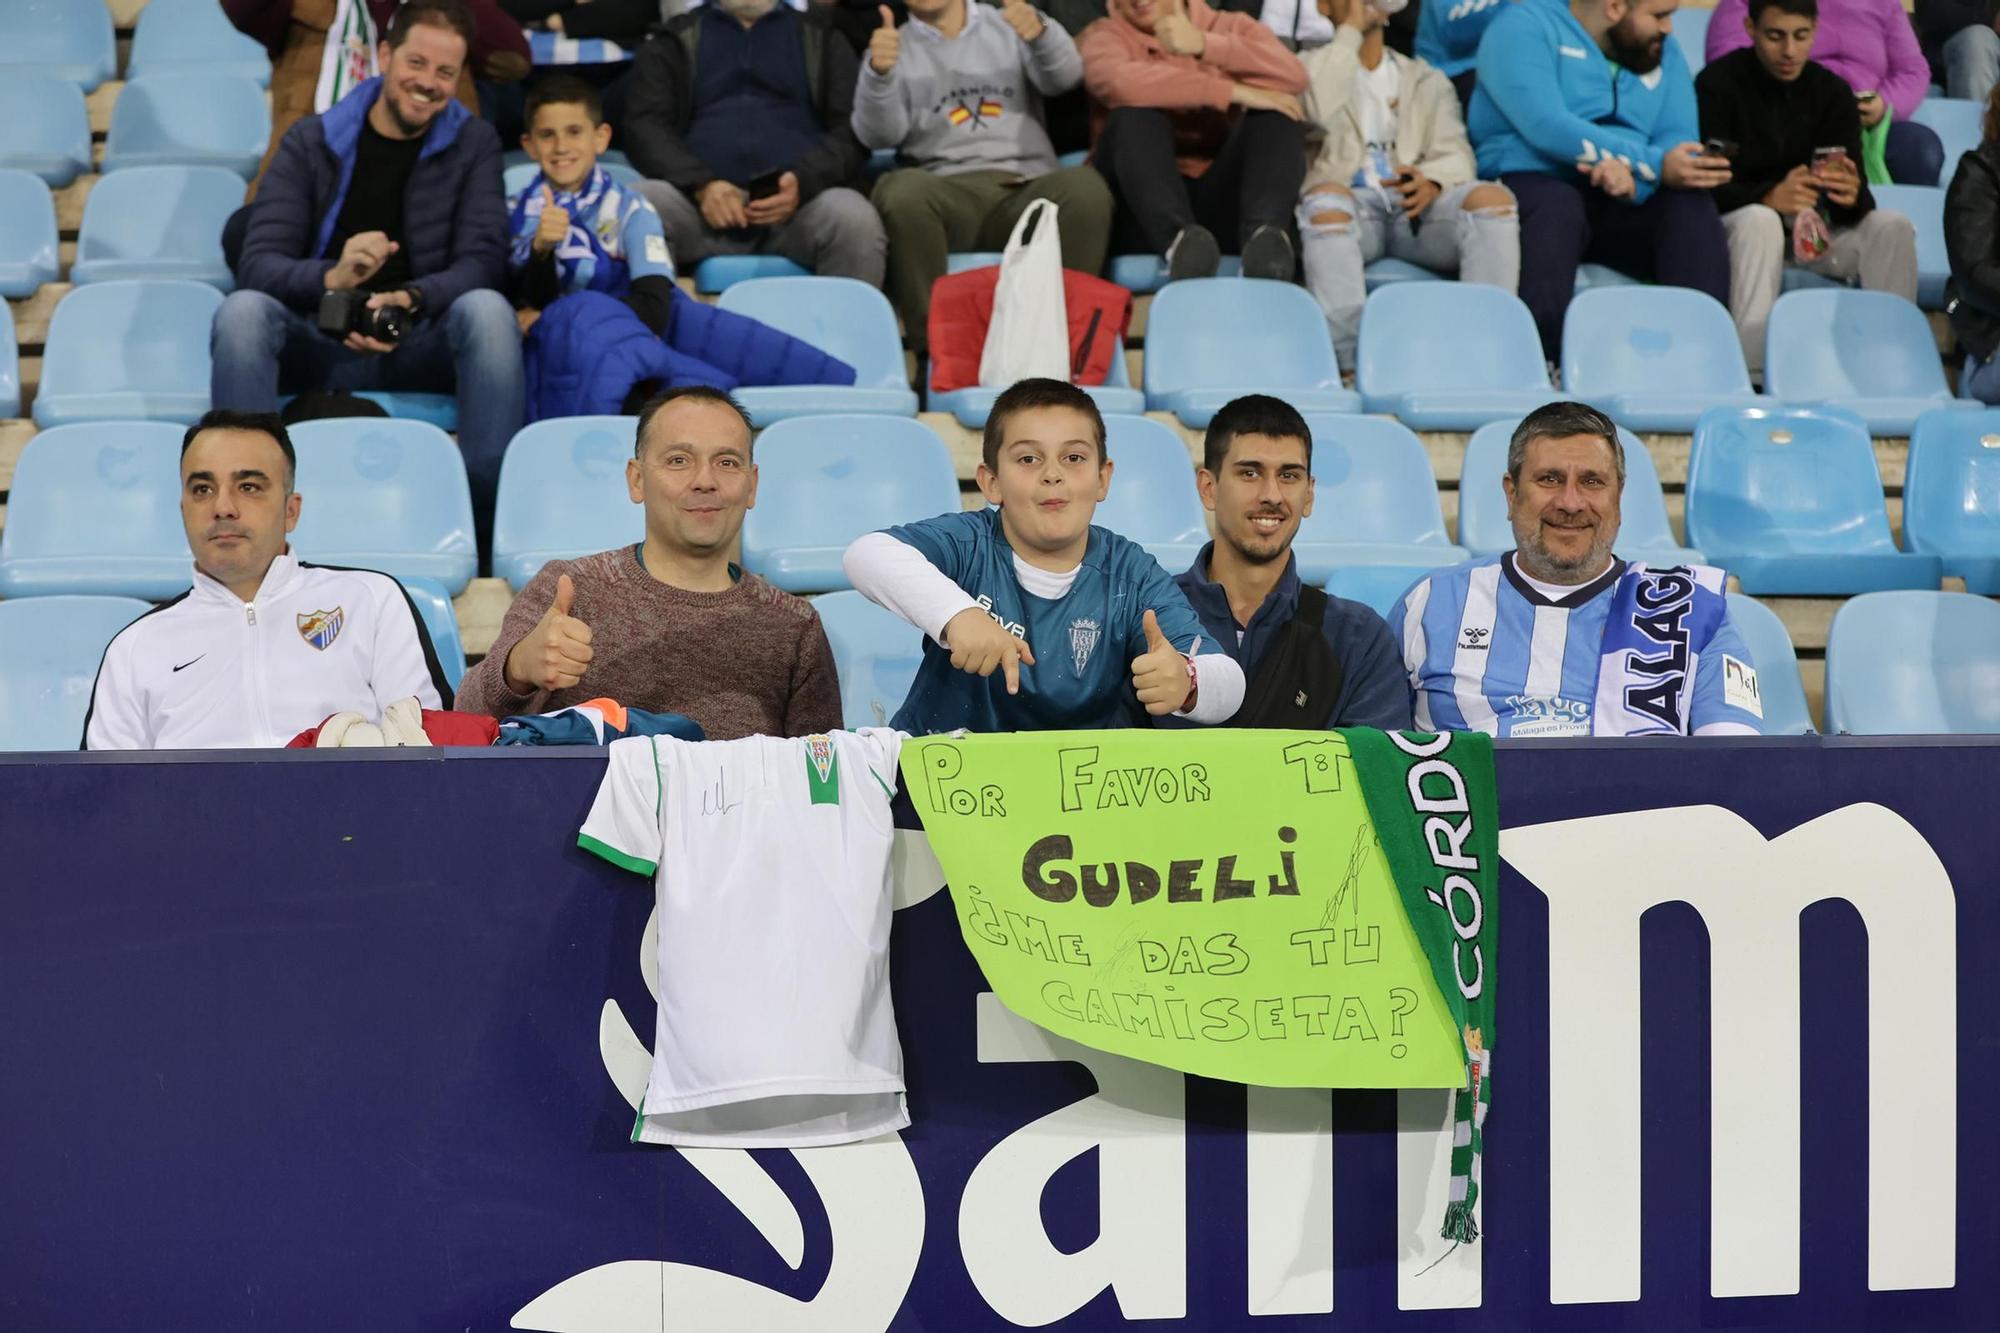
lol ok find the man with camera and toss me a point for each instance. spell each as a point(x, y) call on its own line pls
point(1792, 131)
point(373, 251)
point(738, 118)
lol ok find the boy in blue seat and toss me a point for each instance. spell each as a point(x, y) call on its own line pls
point(592, 283)
point(573, 228)
point(1033, 619)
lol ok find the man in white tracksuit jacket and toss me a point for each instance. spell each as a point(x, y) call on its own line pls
point(262, 646)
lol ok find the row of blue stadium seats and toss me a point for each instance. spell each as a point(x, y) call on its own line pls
point(73, 40)
point(1789, 500)
point(1896, 662)
point(174, 118)
point(165, 221)
point(1437, 356)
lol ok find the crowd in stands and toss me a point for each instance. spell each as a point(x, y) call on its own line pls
point(1519, 141)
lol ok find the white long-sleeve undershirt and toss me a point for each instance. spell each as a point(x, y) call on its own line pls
point(895, 575)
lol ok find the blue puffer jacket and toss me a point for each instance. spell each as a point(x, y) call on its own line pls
point(588, 350)
point(454, 212)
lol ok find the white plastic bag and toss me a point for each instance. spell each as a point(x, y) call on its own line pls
point(1029, 334)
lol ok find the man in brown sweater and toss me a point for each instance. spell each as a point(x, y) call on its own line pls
point(669, 625)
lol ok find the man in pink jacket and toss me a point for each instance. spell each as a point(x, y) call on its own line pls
point(1199, 130)
point(1871, 44)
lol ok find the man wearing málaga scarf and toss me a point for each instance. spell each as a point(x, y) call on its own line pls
point(1560, 637)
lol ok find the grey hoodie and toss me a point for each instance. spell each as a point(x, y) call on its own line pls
point(968, 103)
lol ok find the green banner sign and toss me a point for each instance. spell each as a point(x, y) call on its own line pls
point(1216, 902)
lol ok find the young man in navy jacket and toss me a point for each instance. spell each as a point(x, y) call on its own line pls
point(1341, 668)
point(394, 192)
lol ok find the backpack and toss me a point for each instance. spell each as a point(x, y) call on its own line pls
point(1299, 680)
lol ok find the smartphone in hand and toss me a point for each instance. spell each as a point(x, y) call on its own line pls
point(766, 185)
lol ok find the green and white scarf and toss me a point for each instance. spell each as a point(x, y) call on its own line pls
point(1421, 789)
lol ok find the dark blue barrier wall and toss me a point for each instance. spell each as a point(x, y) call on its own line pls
point(314, 1042)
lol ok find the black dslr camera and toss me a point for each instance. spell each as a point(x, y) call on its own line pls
point(345, 312)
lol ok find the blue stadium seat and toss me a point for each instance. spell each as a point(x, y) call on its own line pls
point(877, 653)
point(1209, 340)
point(1789, 501)
point(94, 509)
point(1375, 500)
point(27, 233)
point(1377, 587)
point(563, 494)
point(158, 222)
point(1114, 397)
point(1786, 712)
point(1691, 32)
point(1951, 495)
point(70, 40)
point(44, 126)
point(1383, 272)
point(1152, 498)
point(1448, 356)
point(1644, 532)
point(433, 603)
point(128, 350)
point(1956, 121)
point(842, 317)
point(1869, 352)
point(721, 272)
point(1141, 274)
point(385, 495)
point(514, 177)
point(823, 481)
point(194, 36)
point(1924, 207)
point(433, 409)
point(1589, 277)
point(961, 261)
point(1654, 358)
point(49, 651)
point(189, 120)
point(1914, 663)
point(10, 367)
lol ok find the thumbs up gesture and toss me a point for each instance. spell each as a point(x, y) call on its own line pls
point(1023, 18)
point(885, 44)
point(1175, 32)
point(1160, 674)
point(554, 226)
point(555, 653)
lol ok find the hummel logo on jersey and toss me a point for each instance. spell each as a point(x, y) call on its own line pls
point(190, 662)
point(1473, 638)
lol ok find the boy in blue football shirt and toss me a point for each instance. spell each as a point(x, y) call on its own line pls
point(1033, 619)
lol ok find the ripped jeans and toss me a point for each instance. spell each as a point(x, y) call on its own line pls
point(1481, 244)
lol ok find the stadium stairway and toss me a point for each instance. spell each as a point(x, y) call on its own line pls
point(481, 607)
